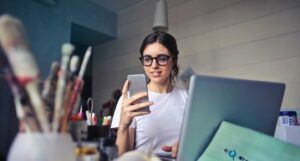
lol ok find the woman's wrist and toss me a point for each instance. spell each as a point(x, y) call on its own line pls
point(123, 128)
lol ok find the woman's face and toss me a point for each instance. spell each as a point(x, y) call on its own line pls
point(159, 74)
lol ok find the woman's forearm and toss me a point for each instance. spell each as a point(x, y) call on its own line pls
point(124, 140)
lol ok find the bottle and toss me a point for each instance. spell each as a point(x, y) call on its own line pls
point(288, 118)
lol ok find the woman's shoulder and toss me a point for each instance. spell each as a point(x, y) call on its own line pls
point(181, 91)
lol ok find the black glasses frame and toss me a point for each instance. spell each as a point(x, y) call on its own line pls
point(159, 56)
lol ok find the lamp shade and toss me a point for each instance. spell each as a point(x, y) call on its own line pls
point(160, 22)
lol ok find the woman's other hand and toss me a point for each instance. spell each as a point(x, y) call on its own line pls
point(172, 149)
point(130, 106)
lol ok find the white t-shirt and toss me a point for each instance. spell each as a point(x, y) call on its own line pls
point(160, 127)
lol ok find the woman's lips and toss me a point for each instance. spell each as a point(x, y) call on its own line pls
point(156, 73)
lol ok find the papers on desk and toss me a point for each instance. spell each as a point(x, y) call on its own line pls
point(232, 142)
point(290, 134)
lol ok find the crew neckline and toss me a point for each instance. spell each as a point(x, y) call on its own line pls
point(162, 93)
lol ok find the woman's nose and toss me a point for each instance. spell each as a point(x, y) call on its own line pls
point(154, 64)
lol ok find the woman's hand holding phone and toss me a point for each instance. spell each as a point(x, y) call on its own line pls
point(131, 107)
point(173, 149)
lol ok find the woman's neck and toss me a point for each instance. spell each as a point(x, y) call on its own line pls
point(160, 88)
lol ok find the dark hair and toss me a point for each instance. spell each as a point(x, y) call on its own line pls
point(169, 42)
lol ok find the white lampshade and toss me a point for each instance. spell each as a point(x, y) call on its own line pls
point(160, 22)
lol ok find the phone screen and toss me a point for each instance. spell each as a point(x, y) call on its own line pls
point(138, 85)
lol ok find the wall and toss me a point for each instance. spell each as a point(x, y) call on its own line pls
point(251, 39)
point(49, 27)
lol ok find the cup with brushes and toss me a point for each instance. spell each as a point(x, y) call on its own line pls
point(44, 114)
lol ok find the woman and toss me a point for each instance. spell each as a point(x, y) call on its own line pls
point(158, 129)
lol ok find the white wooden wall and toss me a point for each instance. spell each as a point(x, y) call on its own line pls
point(251, 39)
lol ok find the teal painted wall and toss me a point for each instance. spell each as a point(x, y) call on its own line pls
point(47, 28)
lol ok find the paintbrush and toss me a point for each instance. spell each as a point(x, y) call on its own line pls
point(49, 88)
point(18, 53)
point(23, 109)
point(78, 85)
point(66, 50)
point(74, 62)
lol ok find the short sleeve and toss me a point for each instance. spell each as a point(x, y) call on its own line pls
point(117, 116)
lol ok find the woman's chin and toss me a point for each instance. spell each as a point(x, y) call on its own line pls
point(158, 80)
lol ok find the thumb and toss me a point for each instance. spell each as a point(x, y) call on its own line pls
point(174, 151)
point(125, 89)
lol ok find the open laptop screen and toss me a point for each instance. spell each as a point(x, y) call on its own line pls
point(252, 104)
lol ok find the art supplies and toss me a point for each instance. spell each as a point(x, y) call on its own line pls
point(45, 113)
point(18, 53)
point(71, 106)
point(48, 93)
point(67, 50)
point(94, 119)
point(80, 114)
point(89, 112)
point(23, 110)
point(106, 121)
point(53, 105)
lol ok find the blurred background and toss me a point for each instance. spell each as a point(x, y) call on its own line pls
point(251, 39)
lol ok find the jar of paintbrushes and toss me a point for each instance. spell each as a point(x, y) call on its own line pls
point(44, 113)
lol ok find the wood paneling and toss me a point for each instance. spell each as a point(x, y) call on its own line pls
point(250, 39)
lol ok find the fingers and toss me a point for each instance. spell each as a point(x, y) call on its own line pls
point(135, 98)
point(172, 149)
point(139, 106)
point(130, 115)
point(166, 148)
point(133, 110)
point(139, 113)
point(130, 106)
point(133, 103)
point(125, 89)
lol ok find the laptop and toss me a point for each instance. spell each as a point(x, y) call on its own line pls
point(252, 104)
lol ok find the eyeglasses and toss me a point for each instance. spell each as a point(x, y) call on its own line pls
point(160, 60)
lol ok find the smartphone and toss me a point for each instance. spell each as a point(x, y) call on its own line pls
point(138, 85)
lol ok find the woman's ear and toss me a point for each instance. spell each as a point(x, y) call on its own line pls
point(174, 62)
